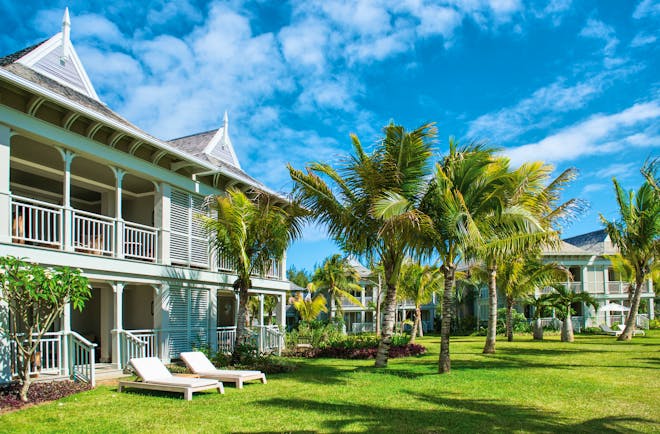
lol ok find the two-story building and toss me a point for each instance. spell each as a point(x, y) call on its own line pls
point(585, 257)
point(81, 186)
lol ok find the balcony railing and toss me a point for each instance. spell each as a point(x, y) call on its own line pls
point(42, 224)
point(228, 264)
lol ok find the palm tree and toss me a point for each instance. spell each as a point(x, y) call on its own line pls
point(418, 283)
point(526, 223)
point(253, 232)
point(462, 191)
point(270, 304)
point(372, 208)
point(521, 276)
point(540, 304)
point(636, 233)
point(309, 308)
point(337, 278)
point(561, 299)
point(253, 307)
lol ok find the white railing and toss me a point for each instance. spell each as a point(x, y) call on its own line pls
point(270, 339)
point(48, 357)
point(130, 346)
point(140, 241)
point(617, 288)
point(363, 327)
point(82, 356)
point(226, 339)
point(225, 263)
point(149, 337)
point(274, 270)
point(93, 233)
point(37, 222)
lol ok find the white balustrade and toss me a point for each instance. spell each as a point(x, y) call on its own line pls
point(82, 355)
point(36, 222)
point(226, 339)
point(93, 233)
point(149, 339)
point(140, 241)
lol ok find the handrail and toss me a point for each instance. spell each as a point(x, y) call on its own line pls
point(82, 339)
point(139, 226)
point(81, 358)
point(36, 202)
point(94, 215)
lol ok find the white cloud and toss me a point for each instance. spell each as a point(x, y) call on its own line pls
point(619, 170)
point(647, 8)
point(642, 39)
point(590, 188)
point(599, 30)
point(600, 134)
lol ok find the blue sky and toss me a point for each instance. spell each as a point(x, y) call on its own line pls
point(573, 83)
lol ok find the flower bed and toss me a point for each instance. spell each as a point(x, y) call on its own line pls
point(39, 392)
point(406, 350)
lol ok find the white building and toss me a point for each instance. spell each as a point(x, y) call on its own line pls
point(585, 258)
point(83, 187)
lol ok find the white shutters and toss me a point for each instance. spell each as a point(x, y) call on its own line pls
point(188, 316)
point(188, 241)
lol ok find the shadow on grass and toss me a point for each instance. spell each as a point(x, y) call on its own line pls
point(445, 414)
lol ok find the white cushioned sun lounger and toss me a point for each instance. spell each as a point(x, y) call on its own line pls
point(199, 364)
point(155, 376)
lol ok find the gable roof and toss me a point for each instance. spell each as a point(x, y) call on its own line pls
point(596, 242)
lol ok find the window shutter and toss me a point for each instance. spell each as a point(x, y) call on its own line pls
point(188, 314)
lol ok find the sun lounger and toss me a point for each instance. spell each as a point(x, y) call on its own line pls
point(199, 364)
point(635, 332)
point(155, 376)
point(607, 330)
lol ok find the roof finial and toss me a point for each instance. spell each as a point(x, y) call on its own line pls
point(225, 129)
point(66, 34)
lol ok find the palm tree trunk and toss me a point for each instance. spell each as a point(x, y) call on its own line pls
point(378, 295)
point(241, 329)
point(632, 314)
point(416, 325)
point(388, 326)
point(491, 333)
point(420, 329)
point(538, 330)
point(509, 319)
point(567, 327)
point(332, 307)
point(444, 365)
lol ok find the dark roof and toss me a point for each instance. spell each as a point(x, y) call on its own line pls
point(588, 239)
point(13, 57)
point(193, 144)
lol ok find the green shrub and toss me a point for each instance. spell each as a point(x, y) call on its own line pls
point(591, 331)
point(520, 324)
point(654, 324)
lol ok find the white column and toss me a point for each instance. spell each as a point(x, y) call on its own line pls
point(66, 329)
point(606, 291)
point(283, 267)
point(5, 354)
point(119, 220)
point(117, 325)
point(585, 278)
point(213, 318)
point(5, 198)
point(162, 212)
point(67, 224)
point(651, 308)
point(280, 311)
point(236, 301)
point(261, 309)
point(162, 320)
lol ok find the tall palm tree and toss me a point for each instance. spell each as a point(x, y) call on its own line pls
point(521, 276)
point(309, 308)
point(337, 278)
point(270, 304)
point(540, 304)
point(418, 283)
point(561, 299)
point(527, 222)
point(636, 233)
point(253, 231)
point(462, 191)
point(371, 209)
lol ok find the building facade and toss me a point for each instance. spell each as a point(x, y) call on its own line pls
point(585, 257)
point(81, 186)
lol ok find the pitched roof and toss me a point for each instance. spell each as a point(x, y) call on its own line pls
point(596, 242)
point(565, 249)
point(13, 57)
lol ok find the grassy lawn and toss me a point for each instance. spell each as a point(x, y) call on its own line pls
point(594, 385)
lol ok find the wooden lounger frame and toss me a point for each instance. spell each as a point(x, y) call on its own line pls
point(186, 390)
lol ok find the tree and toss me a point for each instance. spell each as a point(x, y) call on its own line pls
point(36, 297)
point(562, 299)
point(461, 192)
point(636, 233)
point(270, 304)
point(253, 306)
point(418, 283)
point(540, 304)
point(521, 276)
point(337, 278)
point(309, 308)
point(253, 231)
point(372, 208)
point(300, 277)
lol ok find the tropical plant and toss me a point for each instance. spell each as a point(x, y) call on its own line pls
point(461, 193)
point(521, 276)
point(253, 307)
point(35, 297)
point(270, 304)
point(309, 308)
point(561, 299)
point(637, 235)
point(540, 303)
point(300, 277)
point(372, 208)
point(418, 283)
point(253, 231)
point(337, 278)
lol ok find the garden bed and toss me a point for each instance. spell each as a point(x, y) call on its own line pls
point(38, 393)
